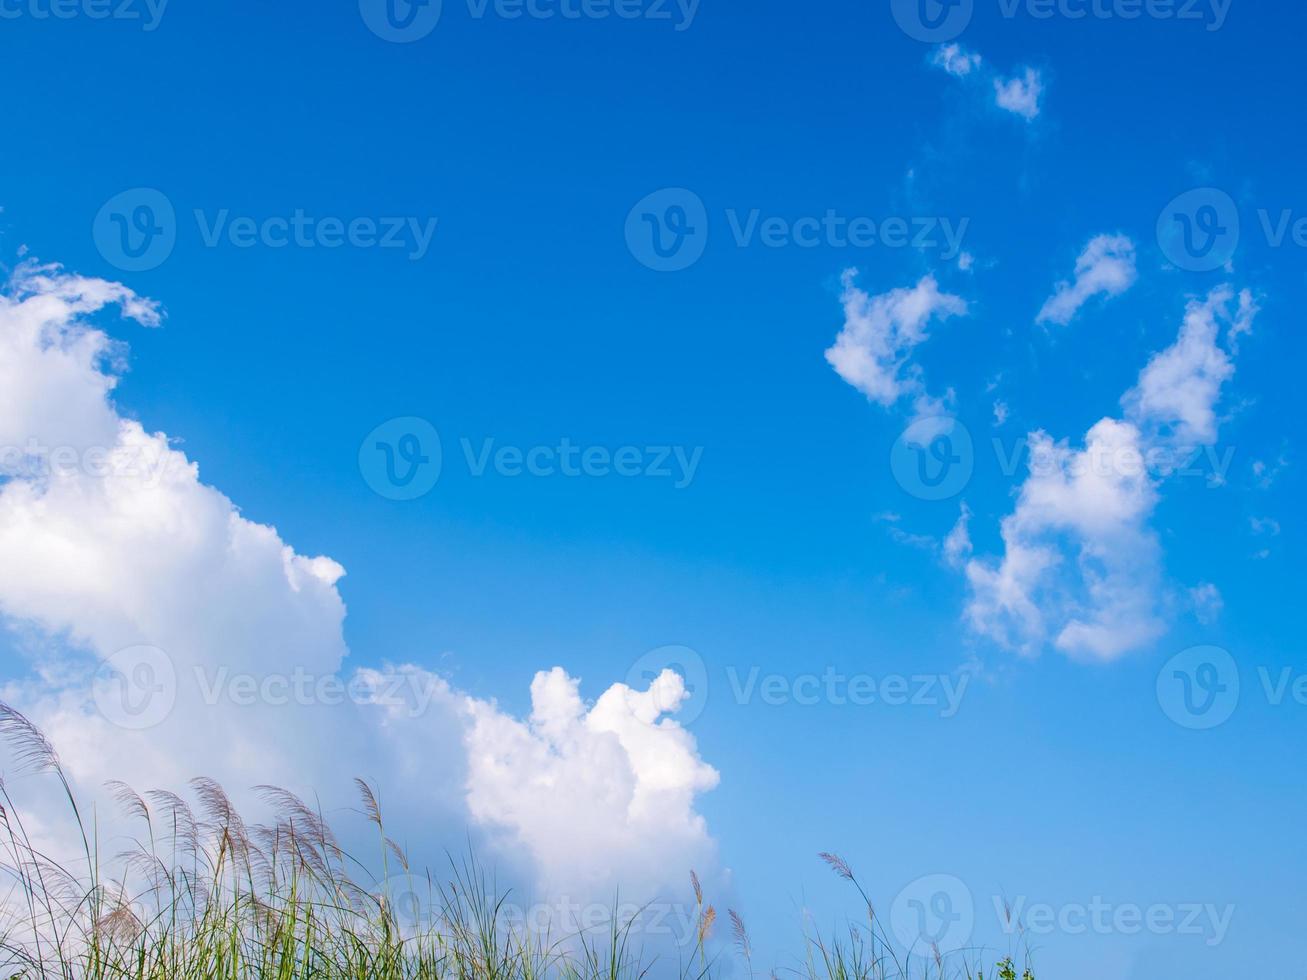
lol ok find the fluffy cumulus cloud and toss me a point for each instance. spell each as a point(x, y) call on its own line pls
point(632, 767)
point(1079, 563)
point(1105, 268)
point(169, 636)
point(873, 350)
point(1081, 566)
point(1020, 95)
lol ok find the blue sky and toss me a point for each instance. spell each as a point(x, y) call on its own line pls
point(527, 319)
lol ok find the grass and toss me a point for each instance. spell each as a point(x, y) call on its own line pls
point(202, 895)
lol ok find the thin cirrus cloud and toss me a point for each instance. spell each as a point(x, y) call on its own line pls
point(1019, 95)
point(135, 549)
point(1081, 566)
point(1105, 268)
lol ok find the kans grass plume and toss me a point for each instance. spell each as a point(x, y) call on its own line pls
point(202, 894)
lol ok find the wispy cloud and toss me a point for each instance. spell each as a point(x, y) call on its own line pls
point(874, 347)
point(1020, 95)
point(956, 60)
point(1106, 267)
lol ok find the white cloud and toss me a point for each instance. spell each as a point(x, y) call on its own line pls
point(1020, 95)
point(956, 60)
point(1178, 390)
point(1105, 268)
point(109, 540)
point(1266, 474)
point(957, 544)
point(1081, 566)
point(880, 332)
point(572, 782)
point(1264, 525)
point(1207, 602)
point(1083, 506)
